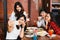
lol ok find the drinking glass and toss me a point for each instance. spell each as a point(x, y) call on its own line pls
point(50, 31)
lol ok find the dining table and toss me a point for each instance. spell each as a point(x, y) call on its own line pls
point(57, 37)
point(43, 38)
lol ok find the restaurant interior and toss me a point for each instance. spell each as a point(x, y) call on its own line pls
point(32, 9)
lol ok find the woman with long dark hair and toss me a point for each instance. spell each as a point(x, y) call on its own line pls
point(50, 24)
point(16, 29)
point(16, 22)
point(18, 10)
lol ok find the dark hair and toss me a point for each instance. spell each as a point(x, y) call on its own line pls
point(42, 10)
point(17, 13)
point(22, 15)
point(51, 16)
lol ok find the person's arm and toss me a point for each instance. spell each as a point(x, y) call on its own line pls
point(10, 28)
point(12, 16)
point(22, 33)
point(10, 25)
point(55, 27)
point(11, 21)
point(22, 30)
point(26, 14)
point(38, 24)
point(46, 25)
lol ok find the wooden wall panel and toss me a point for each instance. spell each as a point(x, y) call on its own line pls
point(34, 12)
point(1, 11)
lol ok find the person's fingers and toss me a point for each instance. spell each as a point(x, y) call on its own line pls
point(23, 25)
point(10, 23)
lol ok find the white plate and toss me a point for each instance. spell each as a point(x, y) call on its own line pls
point(42, 33)
point(53, 35)
point(29, 36)
point(32, 28)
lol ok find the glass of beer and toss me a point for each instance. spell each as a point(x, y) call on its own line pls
point(50, 32)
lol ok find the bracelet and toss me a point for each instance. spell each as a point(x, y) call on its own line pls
point(22, 27)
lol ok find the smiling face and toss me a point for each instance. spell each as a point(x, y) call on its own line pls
point(48, 18)
point(21, 20)
point(43, 14)
point(18, 8)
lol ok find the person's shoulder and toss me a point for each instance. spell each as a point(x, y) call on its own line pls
point(13, 13)
point(24, 12)
point(52, 22)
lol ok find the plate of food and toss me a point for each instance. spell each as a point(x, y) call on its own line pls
point(29, 33)
point(42, 33)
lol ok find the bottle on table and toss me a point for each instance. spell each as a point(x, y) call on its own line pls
point(35, 35)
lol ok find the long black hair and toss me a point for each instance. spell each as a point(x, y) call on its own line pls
point(51, 16)
point(17, 13)
point(22, 15)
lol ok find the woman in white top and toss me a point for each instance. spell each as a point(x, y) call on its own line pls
point(16, 28)
point(18, 10)
point(40, 22)
point(13, 32)
point(41, 19)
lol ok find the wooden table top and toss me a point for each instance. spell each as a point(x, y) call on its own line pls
point(43, 38)
point(57, 37)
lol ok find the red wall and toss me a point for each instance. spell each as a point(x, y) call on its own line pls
point(40, 3)
point(1, 11)
point(34, 11)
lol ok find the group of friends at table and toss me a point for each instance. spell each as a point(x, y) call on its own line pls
point(17, 22)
